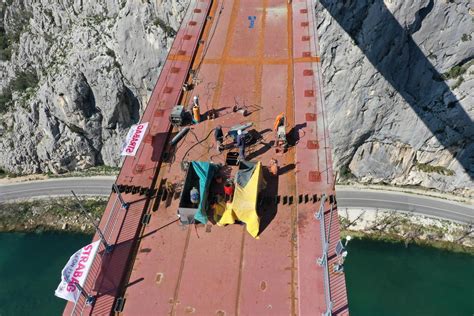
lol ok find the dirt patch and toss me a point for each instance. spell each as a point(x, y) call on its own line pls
point(54, 214)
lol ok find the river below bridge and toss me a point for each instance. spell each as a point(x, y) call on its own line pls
point(382, 278)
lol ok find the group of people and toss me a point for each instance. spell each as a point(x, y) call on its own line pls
point(218, 134)
point(239, 141)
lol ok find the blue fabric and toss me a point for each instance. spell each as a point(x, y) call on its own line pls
point(241, 140)
point(194, 196)
point(246, 169)
point(205, 172)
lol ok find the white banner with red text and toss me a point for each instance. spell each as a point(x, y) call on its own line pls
point(134, 138)
point(76, 271)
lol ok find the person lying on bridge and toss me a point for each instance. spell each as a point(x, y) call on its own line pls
point(240, 141)
point(219, 137)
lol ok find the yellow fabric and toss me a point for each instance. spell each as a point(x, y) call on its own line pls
point(244, 204)
point(219, 209)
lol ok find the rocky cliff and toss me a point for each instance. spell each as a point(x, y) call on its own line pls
point(74, 75)
point(399, 90)
point(398, 82)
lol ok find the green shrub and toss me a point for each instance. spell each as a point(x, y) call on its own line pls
point(5, 49)
point(434, 169)
point(4, 174)
point(466, 37)
point(457, 83)
point(457, 70)
point(24, 80)
point(169, 31)
point(110, 53)
point(5, 100)
point(21, 83)
point(345, 173)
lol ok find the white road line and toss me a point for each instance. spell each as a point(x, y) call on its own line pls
point(54, 188)
point(406, 203)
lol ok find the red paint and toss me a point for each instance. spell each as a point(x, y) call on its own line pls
point(312, 144)
point(310, 117)
point(174, 70)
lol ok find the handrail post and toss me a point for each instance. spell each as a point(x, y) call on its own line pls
point(90, 299)
point(125, 205)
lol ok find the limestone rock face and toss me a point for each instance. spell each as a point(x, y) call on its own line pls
point(96, 63)
point(399, 90)
point(398, 80)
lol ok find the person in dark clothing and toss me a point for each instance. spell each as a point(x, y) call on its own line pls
point(241, 144)
point(219, 137)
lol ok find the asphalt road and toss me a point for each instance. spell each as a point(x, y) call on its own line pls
point(346, 197)
point(56, 187)
point(373, 199)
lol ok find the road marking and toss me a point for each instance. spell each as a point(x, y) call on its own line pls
point(405, 203)
point(51, 188)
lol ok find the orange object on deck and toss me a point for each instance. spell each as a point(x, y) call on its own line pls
point(277, 121)
point(196, 114)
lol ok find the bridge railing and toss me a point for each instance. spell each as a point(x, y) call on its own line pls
point(323, 260)
point(108, 232)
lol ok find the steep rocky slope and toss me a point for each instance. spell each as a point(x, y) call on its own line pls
point(398, 82)
point(399, 90)
point(78, 77)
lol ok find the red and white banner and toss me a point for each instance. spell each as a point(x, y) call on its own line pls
point(134, 138)
point(76, 270)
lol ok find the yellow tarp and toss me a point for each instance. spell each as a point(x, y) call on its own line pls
point(244, 204)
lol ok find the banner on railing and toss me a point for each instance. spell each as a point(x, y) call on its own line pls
point(134, 138)
point(76, 271)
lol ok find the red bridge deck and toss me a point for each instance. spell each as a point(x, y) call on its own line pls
point(267, 64)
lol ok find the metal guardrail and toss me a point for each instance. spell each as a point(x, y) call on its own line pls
point(107, 232)
point(323, 260)
point(318, 83)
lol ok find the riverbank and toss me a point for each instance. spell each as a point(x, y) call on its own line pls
point(409, 228)
point(59, 214)
point(63, 214)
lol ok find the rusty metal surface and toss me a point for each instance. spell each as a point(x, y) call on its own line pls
point(110, 270)
point(261, 56)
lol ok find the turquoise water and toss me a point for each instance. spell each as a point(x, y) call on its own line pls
point(383, 279)
point(391, 280)
point(30, 268)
